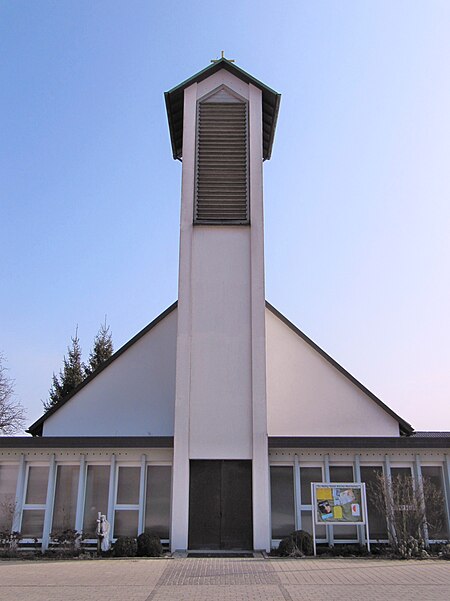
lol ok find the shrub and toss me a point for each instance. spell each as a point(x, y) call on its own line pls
point(445, 551)
point(149, 545)
point(347, 551)
point(8, 543)
point(68, 541)
point(297, 544)
point(125, 546)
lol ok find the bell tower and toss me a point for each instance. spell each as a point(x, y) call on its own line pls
point(222, 123)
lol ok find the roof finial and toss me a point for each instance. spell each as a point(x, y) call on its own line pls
point(230, 60)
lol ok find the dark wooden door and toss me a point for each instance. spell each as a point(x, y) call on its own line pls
point(220, 505)
point(204, 504)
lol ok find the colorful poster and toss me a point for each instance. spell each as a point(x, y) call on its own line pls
point(338, 503)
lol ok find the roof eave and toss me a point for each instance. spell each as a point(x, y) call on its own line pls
point(105, 442)
point(222, 63)
point(274, 126)
point(171, 126)
point(355, 442)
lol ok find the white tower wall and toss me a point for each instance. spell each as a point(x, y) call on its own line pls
point(220, 404)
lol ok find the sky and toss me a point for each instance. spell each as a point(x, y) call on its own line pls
point(357, 193)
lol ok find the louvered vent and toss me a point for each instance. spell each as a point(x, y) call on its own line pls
point(222, 161)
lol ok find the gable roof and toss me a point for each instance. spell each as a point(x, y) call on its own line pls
point(175, 105)
point(36, 428)
point(405, 428)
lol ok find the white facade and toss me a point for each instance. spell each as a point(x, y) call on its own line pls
point(20, 460)
point(220, 377)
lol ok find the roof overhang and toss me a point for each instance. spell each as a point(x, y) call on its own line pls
point(359, 442)
point(83, 442)
point(275, 442)
point(175, 106)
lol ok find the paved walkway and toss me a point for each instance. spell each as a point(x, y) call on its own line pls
point(228, 579)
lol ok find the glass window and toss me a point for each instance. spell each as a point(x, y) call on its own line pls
point(128, 485)
point(349, 533)
point(32, 523)
point(97, 489)
point(157, 508)
point(308, 475)
point(402, 472)
point(126, 522)
point(8, 482)
point(37, 485)
point(282, 489)
point(65, 506)
point(402, 485)
point(307, 525)
point(341, 473)
point(377, 518)
point(433, 480)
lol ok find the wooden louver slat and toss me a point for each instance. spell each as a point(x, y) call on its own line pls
point(222, 163)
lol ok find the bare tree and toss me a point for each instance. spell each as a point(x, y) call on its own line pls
point(412, 510)
point(12, 413)
point(8, 538)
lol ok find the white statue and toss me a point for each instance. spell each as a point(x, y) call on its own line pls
point(103, 529)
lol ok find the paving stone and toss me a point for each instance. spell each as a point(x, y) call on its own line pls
point(237, 592)
point(367, 593)
point(220, 571)
point(225, 579)
point(74, 593)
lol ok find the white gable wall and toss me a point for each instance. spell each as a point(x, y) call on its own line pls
point(133, 396)
point(307, 396)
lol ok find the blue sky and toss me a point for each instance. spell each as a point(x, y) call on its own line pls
point(356, 194)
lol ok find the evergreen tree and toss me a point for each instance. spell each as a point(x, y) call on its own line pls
point(72, 374)
point(102, 349)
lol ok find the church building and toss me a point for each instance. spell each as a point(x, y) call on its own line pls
point(204, 428)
